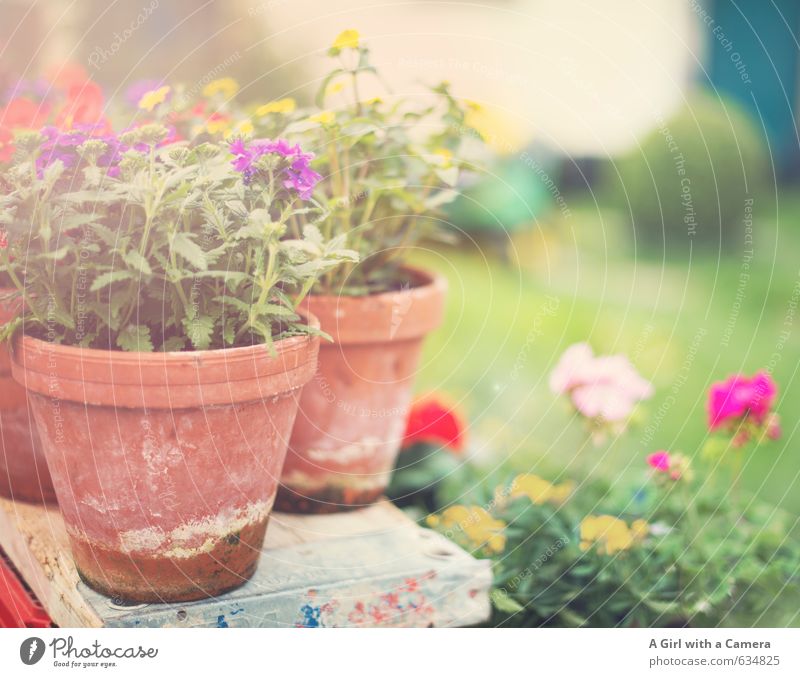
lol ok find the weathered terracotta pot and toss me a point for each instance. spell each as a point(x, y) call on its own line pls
point(352, 414)
point(23, 469)
point(165, 465)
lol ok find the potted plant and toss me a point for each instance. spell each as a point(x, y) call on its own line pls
point(31, 104)
point(387, 167)
point(161, 344)
point(23, 469)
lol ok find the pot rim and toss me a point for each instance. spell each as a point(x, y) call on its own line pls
point(384, 317)
point(164, 379)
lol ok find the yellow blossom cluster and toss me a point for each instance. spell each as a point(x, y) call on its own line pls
point(477, 526)
point(611, 534)
point(347, 39)
point(281, 106)
point(540, 491)
point(151, 99)
point(227, 87)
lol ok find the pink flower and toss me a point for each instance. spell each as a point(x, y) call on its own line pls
point(741, 397)
point(605, 387)
point(675, 466)
point(659, 460)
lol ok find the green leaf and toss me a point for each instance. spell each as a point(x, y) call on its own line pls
point(135, 338)
point(199, 331)
point(102, 281)
point(184, 244)
point(174, 344)
point(135, 260)
point(108, 236)
point(313, 235)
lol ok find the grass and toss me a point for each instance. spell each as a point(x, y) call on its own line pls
point(684, 324)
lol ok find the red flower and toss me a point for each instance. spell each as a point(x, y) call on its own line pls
point(3, 239)
point(22, 113)
point(67, 76)
point(85, 105)
point(434, 421)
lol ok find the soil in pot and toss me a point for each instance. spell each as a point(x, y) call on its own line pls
point(23, 469)
point(353, 412)
point(166, 465)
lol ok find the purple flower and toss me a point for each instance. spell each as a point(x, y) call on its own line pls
point(60, 145)
point(297, 175)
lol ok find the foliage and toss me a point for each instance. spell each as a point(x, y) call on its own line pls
point(388, 166)
point(665, 555)
point(124, 242)
point(689, 179)
point(682, 548)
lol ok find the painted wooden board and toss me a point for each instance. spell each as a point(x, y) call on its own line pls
point(367, 568)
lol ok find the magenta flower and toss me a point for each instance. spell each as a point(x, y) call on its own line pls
point(674, 466)
point(659, 460)
point(739, 398)
point(297, 174)
point(605, 387)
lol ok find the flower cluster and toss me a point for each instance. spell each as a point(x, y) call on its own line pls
point(540, 491)
point(674, 466)
point(742, 406)
point(604, 389)
point(297, 174)
point(433, 420)
point(610, 535)
point(66, 99)
point(67, 147)
point(471, 525)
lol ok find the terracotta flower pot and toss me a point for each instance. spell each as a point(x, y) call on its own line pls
point(23, 469)
point(353, 413)
point(165, 465)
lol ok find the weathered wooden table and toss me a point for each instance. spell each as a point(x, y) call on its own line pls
point(372, 567)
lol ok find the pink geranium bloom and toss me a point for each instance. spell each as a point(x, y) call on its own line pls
point(606, 387)
point(659, 460)
point(741, 397)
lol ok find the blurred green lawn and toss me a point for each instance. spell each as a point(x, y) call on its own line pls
point(679, 322)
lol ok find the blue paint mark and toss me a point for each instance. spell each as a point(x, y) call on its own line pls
point(221, 622)
point(311, 616)
point(236, 611)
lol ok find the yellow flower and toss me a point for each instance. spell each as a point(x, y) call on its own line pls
point(282, 106)
point(151, 99)
point(242, 128)
point(561, 492)
point(225, 86)
point(611, 534)
point(478, 526)
point(334, 88)
point(640, 528)
point(540, 491)
point(346, 40)
point(374, 101)
point(325, 117)
point(219, 125)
